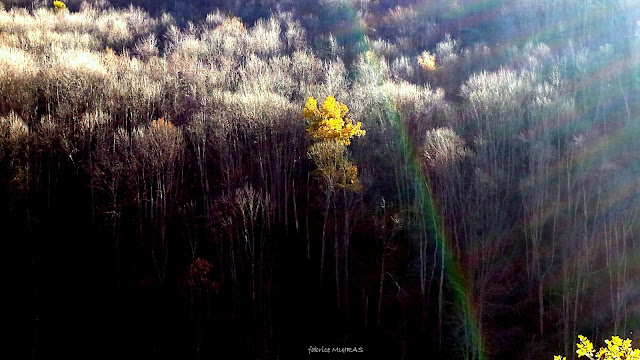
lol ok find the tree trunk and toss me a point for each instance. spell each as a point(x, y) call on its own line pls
point(336, 251)
point(307, 222)
point(324, 230)
point(295, 212)
point(384, 250)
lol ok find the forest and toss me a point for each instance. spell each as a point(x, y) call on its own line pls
point(308, 179)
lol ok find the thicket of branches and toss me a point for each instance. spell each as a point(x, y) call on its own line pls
point(495, 213)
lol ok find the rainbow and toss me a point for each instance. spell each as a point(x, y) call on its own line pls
point(474, 14)
point(456, 281)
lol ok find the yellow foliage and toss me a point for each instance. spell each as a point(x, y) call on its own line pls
point(161, 123)
point(331, 121)
point(350, 179)
point(331, 126)
point(231, 26)
point(427, 61)
point(334, 166)
point(59, 5)
point(617, 349)
point(585, 347)
point(330, 158)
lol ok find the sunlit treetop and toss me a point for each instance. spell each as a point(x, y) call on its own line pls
point(585, 347)
point(231, 26)
point(617, 349)
point(427, 61)
point(110, 59)
point(331, 121)
point(59, 5)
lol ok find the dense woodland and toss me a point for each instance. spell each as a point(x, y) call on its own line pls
point(167, 198)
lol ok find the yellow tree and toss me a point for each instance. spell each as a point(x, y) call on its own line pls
point(331, 121)
point(427, 61)
point(332, 129)
point(617, 349)
point(59, 6)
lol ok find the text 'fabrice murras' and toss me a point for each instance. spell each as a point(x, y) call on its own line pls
point(322, 349)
